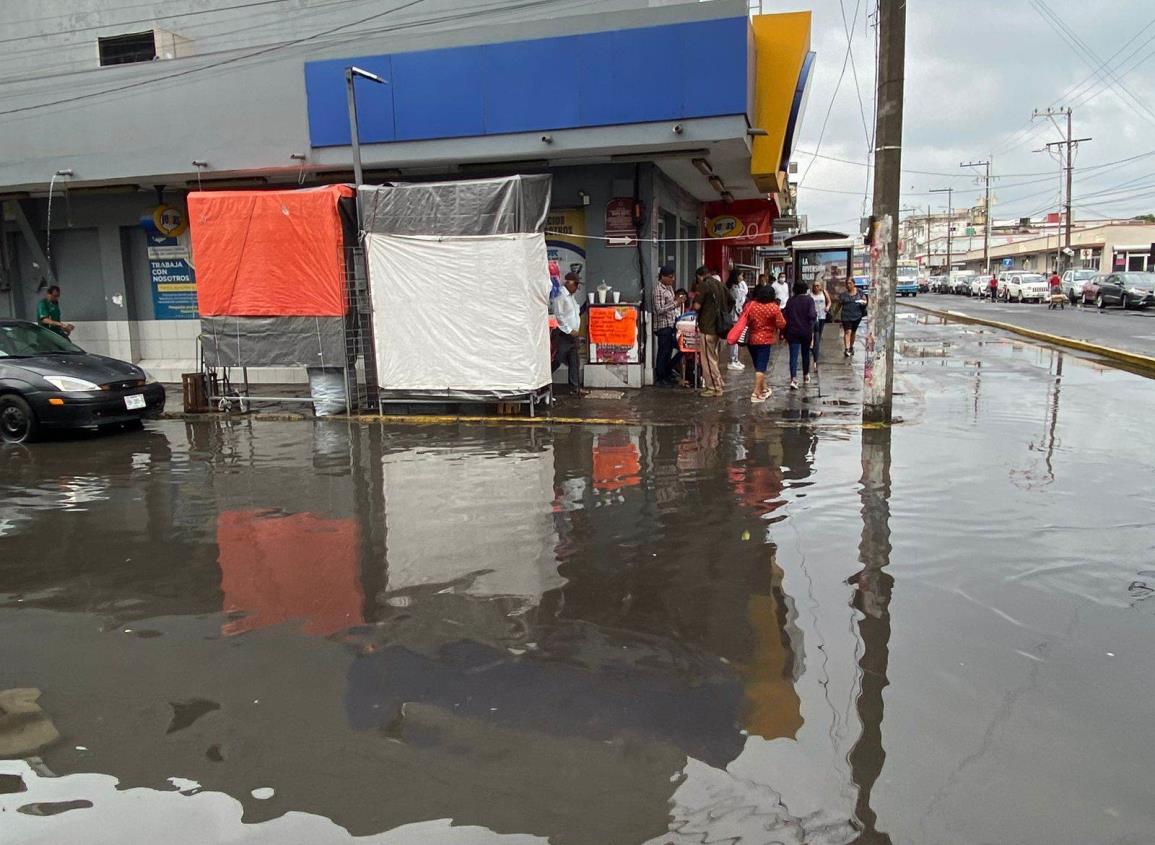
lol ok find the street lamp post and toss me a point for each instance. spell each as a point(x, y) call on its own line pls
point(350, 74)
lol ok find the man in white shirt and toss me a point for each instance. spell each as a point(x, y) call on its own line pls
point(781, 290)
point(565, 309)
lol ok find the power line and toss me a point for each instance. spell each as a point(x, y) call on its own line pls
point(833, 96)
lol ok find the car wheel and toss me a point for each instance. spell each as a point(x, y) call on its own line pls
point(18, 423)
point(1019, 299)
point(1099, 302)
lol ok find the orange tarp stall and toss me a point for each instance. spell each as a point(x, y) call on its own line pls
point(269, 253)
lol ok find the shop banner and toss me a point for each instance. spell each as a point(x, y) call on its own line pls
point(565, 241)
point(620, 227)
point(613, 334)
point(170, 265)
point(743, 222)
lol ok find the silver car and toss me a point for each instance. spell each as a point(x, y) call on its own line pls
point(1074, 281)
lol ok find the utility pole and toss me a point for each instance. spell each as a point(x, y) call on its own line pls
point(949, 222)
point(1069, 144)
point(986, 211)
point(878, 366)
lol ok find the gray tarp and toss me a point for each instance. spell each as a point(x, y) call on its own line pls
point(474, 207)
point(273, 341)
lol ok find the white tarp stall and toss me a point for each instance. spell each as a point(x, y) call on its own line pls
point(461, 317)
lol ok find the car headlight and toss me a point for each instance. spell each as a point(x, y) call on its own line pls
point(68, 384)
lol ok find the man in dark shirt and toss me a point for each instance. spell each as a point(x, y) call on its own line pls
point(48, 312)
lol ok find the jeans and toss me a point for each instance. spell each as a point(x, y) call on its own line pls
point(664, 362)
point(817, 343)
point(567, 353)
point(796, 347)
point(760, 355)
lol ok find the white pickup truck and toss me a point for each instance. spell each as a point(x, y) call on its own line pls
point(1027, 287)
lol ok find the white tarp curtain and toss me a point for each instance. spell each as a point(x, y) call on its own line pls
point(460, 316)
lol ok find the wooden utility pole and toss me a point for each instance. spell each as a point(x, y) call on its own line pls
point(1069, 144)
point(949, 222)
point(986, 211)
point(878, 369)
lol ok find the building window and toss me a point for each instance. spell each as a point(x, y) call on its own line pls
point(127, 49)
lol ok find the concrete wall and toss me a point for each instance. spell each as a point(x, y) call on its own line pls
point(237, 111)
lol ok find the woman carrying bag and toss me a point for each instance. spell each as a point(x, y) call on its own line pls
point(761, 320)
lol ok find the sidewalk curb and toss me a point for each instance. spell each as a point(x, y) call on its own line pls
point(1143, 362)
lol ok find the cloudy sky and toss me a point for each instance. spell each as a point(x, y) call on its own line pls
point(975, 70)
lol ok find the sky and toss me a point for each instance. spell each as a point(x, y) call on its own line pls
point(975, 71)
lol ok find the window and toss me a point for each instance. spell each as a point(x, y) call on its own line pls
point(127, 49)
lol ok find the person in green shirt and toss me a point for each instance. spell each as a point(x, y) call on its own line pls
point(48, 312)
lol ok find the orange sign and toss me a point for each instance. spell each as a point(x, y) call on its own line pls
point(613, 325)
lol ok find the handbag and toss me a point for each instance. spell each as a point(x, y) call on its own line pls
point(735, 332)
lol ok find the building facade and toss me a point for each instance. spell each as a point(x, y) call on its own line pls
point(641, 111)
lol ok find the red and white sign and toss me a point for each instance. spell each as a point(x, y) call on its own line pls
point(620, 227)
point(740, 223)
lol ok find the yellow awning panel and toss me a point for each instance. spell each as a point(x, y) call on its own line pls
point(781, 44)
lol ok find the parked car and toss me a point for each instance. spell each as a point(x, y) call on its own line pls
point(962, 284)
point(1129, 290)
point(47, 381)
point(979, 286)
point(938, 284)
point(1027, 287)
point(1073, 282)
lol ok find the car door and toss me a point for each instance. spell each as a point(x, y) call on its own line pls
point(1112, 289)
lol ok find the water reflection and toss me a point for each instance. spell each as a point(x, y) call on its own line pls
point(873, 587)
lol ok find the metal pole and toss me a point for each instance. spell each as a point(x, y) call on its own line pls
point(878, 369)
point(986, 211)
point(351, 99)
point(949, 220)
point(1070, 168)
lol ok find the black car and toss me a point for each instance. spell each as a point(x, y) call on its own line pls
point(46, 381)
point(1130, 290)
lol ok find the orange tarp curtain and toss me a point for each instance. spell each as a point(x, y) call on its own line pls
point(269, 253)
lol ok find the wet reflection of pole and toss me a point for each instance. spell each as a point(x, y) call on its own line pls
point(369, 499)
point(1053, 413)
point(872, 599)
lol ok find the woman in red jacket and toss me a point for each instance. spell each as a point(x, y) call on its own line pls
point(763, 322)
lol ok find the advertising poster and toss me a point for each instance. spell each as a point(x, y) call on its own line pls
point(565, 243)
point(827, 266)
point(170, 266)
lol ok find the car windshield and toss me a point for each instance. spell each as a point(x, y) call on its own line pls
point(23, 340)
point(1081, 275)
point(1032, 280)
point(1138, 280)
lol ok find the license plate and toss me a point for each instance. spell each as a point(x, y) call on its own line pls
point(134, 402)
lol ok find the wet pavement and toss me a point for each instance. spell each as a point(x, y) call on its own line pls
point(1132, 330)
point(708, 623)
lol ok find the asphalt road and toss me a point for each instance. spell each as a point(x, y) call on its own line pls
point(1131, 331)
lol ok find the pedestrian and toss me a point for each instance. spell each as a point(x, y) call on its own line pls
point(821, 310)
point(781, 290)
point(739, 290)
point(993, 287)
point(48, 312)
point(665, 313)
point(853, 308)
point(1056, 290)
point(568, 332)
point(713, 306)
point(800, 313)
point(763, 322)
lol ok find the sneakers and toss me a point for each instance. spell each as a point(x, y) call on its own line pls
point(845, 353)
point(736, 365)
point(806, 379)
point(710, 392)
point(793, 384)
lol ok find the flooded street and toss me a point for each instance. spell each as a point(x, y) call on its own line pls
point(703, 624)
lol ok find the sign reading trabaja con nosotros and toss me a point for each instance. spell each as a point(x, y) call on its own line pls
point(170, 267)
